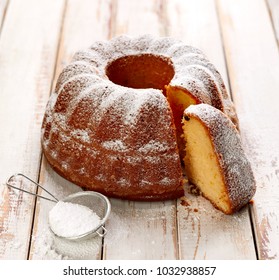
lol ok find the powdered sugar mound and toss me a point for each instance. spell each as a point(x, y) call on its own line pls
point(69, 219)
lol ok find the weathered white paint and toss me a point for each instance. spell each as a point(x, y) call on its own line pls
point(202, 234)
point(82, 25)
point(27, 61)
point(273, 6)
point(139, 230)
point(188, 229)
point(253, 64)
point(3, 7)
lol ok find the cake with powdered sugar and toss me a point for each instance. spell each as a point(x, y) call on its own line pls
point(113, 124)
point(215, 161)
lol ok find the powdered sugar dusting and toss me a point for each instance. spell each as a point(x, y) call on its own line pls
point(81, 134)
point(196, 74)
point(92, 118)
point(114, 145)
point(102, 53)
point(154, 146)
point(186, 61)
point(50, 247)
point(226, 140)
point(135, 106)
point(166, 181)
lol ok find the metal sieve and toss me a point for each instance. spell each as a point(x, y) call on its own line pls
point(95, 201)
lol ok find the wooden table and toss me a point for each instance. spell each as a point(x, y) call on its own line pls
point(38, 38)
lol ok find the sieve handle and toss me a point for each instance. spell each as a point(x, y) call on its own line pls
point(103, 233)
point(8, 183)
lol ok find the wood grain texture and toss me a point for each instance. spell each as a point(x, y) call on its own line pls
point(84, 23)
point(26, 68)
point(3, 8)
point(253, 63)
point(239, 32)
point(44, 245)
point(140, 230)
point(273, 6)
point(139, 17)
point(203, 230)
point(196, 23)
point(77, 33)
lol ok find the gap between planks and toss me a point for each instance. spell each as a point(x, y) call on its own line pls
point(252, 55)
point(149, 230)
point(273, 8)
point(41, 159)
point(22, 94)
point(199, 26)
point(252, 224)
point(3, 9)
point(76, 17)
point(119, 30)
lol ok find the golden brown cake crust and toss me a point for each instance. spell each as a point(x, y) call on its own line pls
point(120, 140)
point(133, 161)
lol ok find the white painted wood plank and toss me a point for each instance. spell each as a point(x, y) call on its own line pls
point(84, 23)
point(3, 7)
point(139, 230)
point(26, 68)
point(204, 232)
point(274, 12)
point(253, 63)
point(44, 245)
point(139, 17)
point(196, 23)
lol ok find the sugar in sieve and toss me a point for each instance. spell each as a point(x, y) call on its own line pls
point(98, 203)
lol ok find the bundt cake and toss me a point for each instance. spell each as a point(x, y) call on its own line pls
point(215, 161)
point(113, 124)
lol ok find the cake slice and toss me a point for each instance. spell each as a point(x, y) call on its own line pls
point(215, 161)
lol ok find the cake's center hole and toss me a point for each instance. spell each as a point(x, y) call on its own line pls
point(141, 71)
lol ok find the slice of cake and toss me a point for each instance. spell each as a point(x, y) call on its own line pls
point(215, 161)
